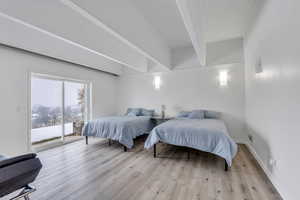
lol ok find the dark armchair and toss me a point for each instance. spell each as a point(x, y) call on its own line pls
point(17, 173)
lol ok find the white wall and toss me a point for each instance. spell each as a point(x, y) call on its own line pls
point(15, 66)
point(186, 90)
point(225, 52)
point(184, 57)
point(218, 53)
point(273, 97)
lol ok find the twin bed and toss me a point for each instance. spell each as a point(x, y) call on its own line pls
point(204, 133)
point(209, 135)
point(123, 129)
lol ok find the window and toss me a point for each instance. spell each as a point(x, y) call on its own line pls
point(59, 108)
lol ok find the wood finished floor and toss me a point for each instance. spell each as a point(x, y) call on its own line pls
point(102, 172)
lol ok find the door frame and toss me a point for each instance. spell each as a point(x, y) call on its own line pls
point(88, 106)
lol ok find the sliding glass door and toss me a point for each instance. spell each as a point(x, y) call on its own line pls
point(59, 108)
point(75, 108)
point(46, 107)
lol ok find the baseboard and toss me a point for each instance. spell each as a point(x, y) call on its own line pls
point(53, 144)
point(266, 171)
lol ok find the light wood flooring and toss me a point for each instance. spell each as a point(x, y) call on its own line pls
point(101, 172)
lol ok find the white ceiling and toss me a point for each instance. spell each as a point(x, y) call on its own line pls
point(165, 17)
point(227, 19)
point(195, 23)
point(141, 34)
point(224, 19)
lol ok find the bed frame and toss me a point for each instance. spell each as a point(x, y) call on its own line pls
point(189, 155)
point(109, 143)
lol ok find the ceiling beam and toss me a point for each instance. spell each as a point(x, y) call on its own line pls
point(193, 15)
point(125, 22)
point(63, 23)
point(44, 43)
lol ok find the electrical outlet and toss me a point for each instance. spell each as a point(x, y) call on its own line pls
point(250, 137)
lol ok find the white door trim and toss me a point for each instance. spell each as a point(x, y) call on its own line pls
point(30, 74)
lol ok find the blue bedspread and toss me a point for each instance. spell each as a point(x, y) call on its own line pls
point(208, 135)
point(121, 128)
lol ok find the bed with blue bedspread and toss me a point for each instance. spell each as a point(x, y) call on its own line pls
point(209, 135)
point(123, 129)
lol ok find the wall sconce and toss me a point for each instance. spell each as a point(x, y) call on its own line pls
point(223, 78)
point(157, 82)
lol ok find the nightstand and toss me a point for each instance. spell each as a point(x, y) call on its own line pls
point(157, 120)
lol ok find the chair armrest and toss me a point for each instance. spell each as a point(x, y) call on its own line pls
point(14, 160)
point(2, 158)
